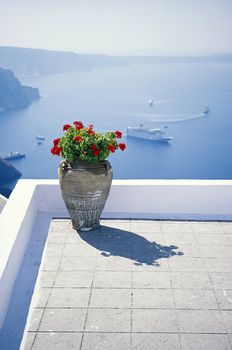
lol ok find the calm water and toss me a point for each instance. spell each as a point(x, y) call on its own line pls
point(114, 98)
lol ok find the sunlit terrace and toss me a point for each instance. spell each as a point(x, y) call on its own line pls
point(157, 274)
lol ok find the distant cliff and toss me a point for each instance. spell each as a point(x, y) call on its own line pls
point(25, 61)
point(215, 58)
point(8, 175)
point(14, 95)
point(43, 62)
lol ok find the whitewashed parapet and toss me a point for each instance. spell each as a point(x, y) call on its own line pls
point(3, 201)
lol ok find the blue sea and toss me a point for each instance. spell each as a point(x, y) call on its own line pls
point(116, 97)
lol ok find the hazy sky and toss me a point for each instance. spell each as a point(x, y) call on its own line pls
point(142, 27)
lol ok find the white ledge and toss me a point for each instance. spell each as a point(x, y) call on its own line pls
point(3, 201)
point(135, 199)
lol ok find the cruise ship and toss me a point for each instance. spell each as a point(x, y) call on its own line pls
point(148, 134)
point(14, 155)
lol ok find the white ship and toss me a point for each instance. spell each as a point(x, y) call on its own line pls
point(14, 155)
point(148, 134)
point(151, 102)
point(206, 110)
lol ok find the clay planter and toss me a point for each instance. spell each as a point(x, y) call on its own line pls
point(85, 188)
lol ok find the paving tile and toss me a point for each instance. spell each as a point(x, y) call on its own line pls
point(115, 236)
point(152, 258)
point(195, 299)
point(178, 238)
point(114, 263)
point(141, 264)
point(226, 227)
point(230, 238)
point(108, 320)
point(187, 264)
point(190, 280)
point(69, 297)
point(56, 237)
point(119, 224)
point(112, 249)
point(74, 279)
point(176, 227)
point(154, 249)
point(153, 298)
point(221, 280)
point(112, 279)
point(145, 341)
point(218, 264)
point(51, 263)
point(28, 341)
point(78, 263)
point(46, 278)
point(227, 318)
point(34, 319)
point(145, 225)
point(58, 341)
point(40, 297)
point(144, 238)
point(161, 320)
point(106, 341)
point(204, 342)
point(79, 250)
point(216, 251)
point(200, 321)
point(63, 320)
point(189, 250)
point(110, 298)
point(212, 239)
point(59, 225)
point(224, 298)
point(230, 339)
point(91, 237)
point(54, 249)
point(206, 227)
point(151, 280)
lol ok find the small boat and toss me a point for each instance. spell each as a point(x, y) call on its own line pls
point(39, 137)
point(14, 155)
point(148, 134)
point(206, 110)
point(151, 102)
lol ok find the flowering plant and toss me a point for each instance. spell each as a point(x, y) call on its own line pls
point(82, 142)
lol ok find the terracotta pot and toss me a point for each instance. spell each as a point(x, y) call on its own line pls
point(85, 188)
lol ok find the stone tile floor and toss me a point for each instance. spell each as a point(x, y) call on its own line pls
point(136, 285)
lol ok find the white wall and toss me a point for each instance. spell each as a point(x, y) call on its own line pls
point(153, 199)
point(3, 201)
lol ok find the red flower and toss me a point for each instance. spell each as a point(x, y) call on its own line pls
point(56, 141)
point(90, 126)
point(122, 146)
point(66, 127)
point(56, 150)
point(79, 125)
point(77, 138)
point(95, 150)
point(118, 134)
point(90, 131)
point(112, 148)
point(93, 147)
point(96, 153)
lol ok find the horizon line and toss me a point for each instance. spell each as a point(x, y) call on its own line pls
point(119, 55)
